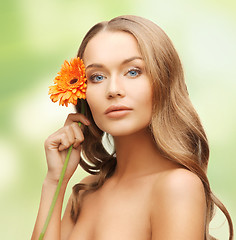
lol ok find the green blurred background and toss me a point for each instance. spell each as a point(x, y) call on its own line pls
point(37, 36)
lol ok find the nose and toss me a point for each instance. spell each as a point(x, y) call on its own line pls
point(115, 89)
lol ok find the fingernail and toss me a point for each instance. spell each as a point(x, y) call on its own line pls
point(87, 121)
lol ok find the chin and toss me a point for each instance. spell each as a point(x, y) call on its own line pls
point(123, 127)
point(122, 131)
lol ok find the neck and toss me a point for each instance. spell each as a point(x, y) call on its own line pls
point(137, 155)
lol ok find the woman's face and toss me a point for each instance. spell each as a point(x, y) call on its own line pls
point(119, 90)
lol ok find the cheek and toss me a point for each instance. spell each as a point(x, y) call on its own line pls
point(143, 96)
point(95, 102)
point(146, 102)
point(91, 98)
point(146, 109)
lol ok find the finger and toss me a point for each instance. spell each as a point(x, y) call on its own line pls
point(78, 134)
point(64, 142)
point(76, 117)
point(70, 134)
point(54, 140)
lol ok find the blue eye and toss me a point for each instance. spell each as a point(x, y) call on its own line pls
point(99, 78)
point(134, 72)
point(96, 78)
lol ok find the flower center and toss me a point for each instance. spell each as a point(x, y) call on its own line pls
point(73, 81)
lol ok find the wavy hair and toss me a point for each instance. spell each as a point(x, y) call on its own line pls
point(175, 125)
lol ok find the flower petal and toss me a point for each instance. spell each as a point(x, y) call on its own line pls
point(65, 92)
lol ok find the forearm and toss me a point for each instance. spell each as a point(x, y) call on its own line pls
point(57, 147)
point(54, 228)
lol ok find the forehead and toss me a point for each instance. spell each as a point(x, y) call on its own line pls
point(108, 46)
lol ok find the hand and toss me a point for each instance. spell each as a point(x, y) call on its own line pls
point(57, 144)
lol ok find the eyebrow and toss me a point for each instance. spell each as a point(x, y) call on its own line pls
point(97, 65)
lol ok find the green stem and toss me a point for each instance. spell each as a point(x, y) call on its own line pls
point(59, 184)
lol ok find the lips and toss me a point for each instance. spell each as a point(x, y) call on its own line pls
point(116, 108)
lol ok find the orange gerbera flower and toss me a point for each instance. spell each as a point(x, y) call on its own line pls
point(70, 83)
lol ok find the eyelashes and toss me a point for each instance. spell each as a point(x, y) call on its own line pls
point(134, 72)
point(99, 77)
point(96, 77)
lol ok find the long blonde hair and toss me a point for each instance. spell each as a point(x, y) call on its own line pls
point(175, 125)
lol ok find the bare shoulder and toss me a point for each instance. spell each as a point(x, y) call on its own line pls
point(179, 183)
point(178, 194)
point(67, 224)
point(86, 180)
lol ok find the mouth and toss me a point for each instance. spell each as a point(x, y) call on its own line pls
point(115, 111)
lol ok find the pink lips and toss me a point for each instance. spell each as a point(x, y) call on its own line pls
point(115, 111)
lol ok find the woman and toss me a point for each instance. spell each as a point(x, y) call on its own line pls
point(154, 184)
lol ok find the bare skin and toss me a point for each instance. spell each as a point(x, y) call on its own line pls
point(136, 205)
point(148, 197)
point(144, 202)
